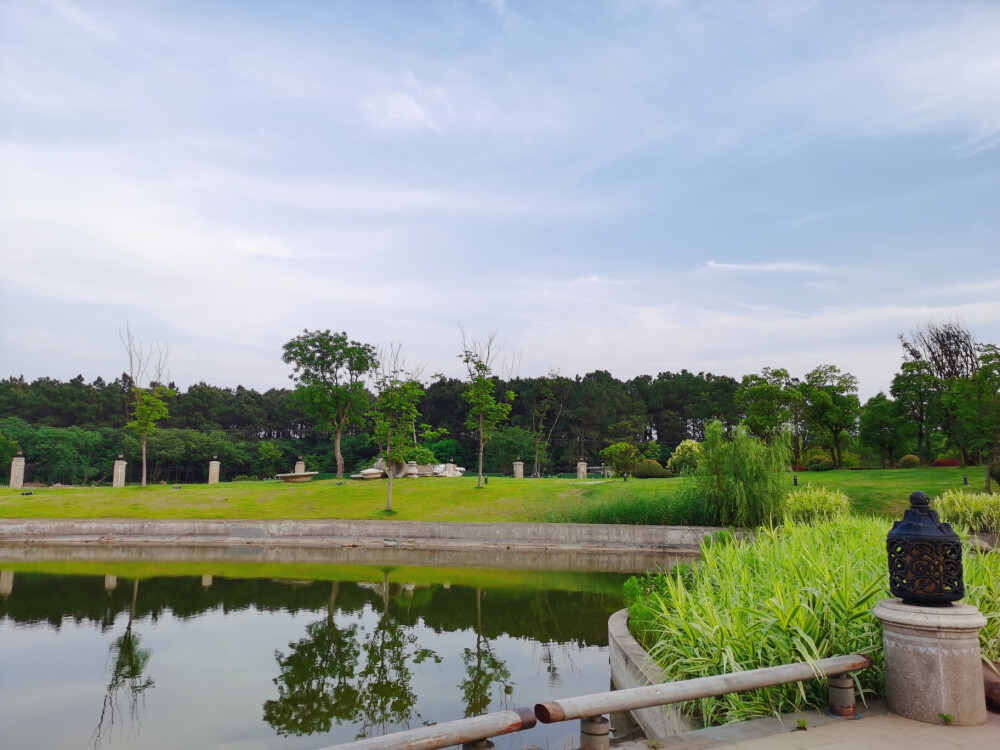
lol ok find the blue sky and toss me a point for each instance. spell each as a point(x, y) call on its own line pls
point(628, 185)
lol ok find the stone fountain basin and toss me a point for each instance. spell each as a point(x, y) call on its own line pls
point(300, 476)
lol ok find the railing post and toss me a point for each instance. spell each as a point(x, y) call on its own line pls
point(594, 733)
point(842, 696)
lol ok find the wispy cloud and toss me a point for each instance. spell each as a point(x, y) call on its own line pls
point(791, 267)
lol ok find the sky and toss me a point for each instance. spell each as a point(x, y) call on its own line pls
point(636, 186)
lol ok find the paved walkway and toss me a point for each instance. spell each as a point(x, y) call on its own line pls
point(877, 729)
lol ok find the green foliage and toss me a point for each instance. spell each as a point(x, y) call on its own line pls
point(909, 461)
point(650, 469)
point(633, 504)
point(509, 444)
point(419, 453)
point(328, 370)
point(796, 593)
point(394, 413)
point(8, 449)
point(486, 410)
point(978, 511)
point(995, 469)
point(832, 403)
point(268, 456)
point(767, 400)
point(684, 459)
point(623, 458)
point(822, 464)
point(810, 504)
point(448, 449)
point(741, 480)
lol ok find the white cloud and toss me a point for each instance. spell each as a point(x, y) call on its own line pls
point(770, 267)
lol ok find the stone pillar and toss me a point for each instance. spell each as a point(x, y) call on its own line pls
point(519, 470)
point(17, 473)
point(581, 469)
point(933, 662)
point(300, 467)
point(118, 477)
point(6, 583)
point(213, 472)
point(206, 580)
point(450, 470)
point(110, 583)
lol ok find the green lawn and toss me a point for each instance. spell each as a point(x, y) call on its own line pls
point(527, 500)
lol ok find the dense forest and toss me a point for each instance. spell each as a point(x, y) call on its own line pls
point(943, 405)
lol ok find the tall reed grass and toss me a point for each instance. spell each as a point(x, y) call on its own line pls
point(794, 593)
point(974, 510)
point(809, 504)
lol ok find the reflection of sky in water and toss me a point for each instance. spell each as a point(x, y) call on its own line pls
point(214, 672)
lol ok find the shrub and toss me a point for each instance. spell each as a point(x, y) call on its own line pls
point(995, 469)
point(909, 461)
point(420, 454)
point(796, 593)
point(650, 469)
point(810, 504)
point(974, 510)
point(825, 465)
point(946, 462)
point(741, 481)
point(684, 459)
point(850, 460)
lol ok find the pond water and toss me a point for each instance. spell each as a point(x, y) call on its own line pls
point(158, 656)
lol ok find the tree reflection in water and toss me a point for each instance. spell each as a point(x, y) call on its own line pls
point(320, 682)
point(128, 679)
point(314, 685)
point(483, 669)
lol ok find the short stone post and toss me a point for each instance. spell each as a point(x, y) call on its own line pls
point(213, 471)
point(519, 470)
point(594, 733)
point(300, 466)
point(933, 662)
point(110, 583)
point(118, 477)
point(6, 583)
point(581, 469)
point(206, 580)
point(17, 472)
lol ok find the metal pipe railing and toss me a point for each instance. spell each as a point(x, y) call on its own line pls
point(590, 709)
point(459, 732)
point(586, 706)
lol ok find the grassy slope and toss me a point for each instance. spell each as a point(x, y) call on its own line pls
point(537, 500)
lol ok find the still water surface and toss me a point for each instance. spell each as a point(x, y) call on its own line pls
point(160, 660)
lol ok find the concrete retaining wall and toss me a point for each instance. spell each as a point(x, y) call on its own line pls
point(631, 667)
point(578, 537)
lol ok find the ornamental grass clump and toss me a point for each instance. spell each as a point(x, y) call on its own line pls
point(799, 592)
point(974, 510)
point(809, 504)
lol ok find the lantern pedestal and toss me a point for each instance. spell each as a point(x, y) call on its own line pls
point(933, 662)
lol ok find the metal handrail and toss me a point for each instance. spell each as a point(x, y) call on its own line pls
point(450, 733)
point(585, 706)
point(589, 708)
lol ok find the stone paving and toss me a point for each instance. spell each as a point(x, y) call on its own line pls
point(876, 729)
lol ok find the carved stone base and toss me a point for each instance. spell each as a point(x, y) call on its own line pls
point(932, 662)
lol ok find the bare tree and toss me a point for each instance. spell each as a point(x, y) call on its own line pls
point(147, 365)
point(948, 348)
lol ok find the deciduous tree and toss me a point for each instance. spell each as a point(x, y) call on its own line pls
point(329, 370)
point(486, 410)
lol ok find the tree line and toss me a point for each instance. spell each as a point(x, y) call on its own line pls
point(352, 402)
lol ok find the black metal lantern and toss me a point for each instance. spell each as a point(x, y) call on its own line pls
point(925, 557)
